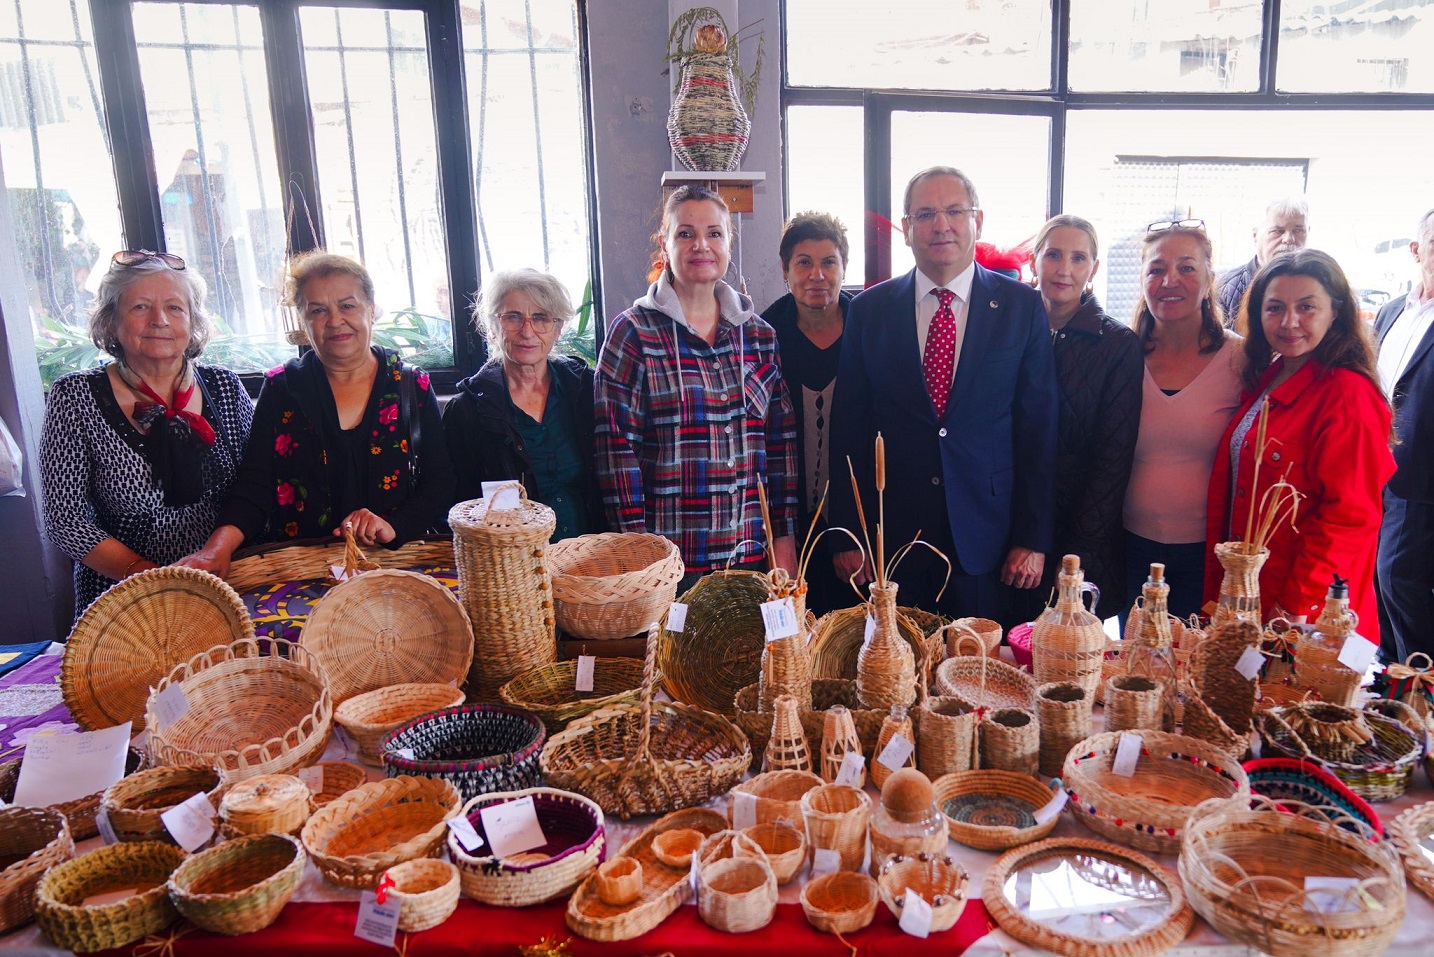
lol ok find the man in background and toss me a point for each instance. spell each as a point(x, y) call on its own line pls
point(1285, 228)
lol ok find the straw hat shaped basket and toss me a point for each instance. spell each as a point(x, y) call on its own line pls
point(369, 716)
point(253, 708)
point(648, 758)
point(136, 632)
point(719, 650)
point(355, 838)
point(81, 811)
point(33, 840)
point(388, 627)
point(550, 692)
point(60, 896)
point(575, 844)
point(478, 748)
point(613, 584)
point(239, 886)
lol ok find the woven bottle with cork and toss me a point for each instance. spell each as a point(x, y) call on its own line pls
point(897, 722)
point(839, 738)
point(1150, 651)
point(1317, 664)
point(907, 822)
point(886, 666)
point(1067, 641)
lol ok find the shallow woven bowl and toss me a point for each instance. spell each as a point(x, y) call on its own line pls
point(1286, 779)
point(369, 716)
point(940, 881)
point(134, 804)
point(676, 846)
point(355, 838)
point(1003, 685)
point(479, 749)
point(61, 893)
point(550, 692)
point(32, 840)
point(239, 886)
point(576, 844)
point(785, 846)
point(612, 584)
point(426, 891)
point(255, 707)
point(1010, 799)
point(841, 902)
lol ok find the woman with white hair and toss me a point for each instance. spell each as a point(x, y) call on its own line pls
point(137, 454)
point(527, 414)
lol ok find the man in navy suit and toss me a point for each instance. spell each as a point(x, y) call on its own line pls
point(1405, 568)
point(953, 365)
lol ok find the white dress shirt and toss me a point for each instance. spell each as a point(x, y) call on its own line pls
point(927, 303)
point(1402, 339)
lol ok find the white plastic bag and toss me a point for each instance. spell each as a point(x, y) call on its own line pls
point(11, 482)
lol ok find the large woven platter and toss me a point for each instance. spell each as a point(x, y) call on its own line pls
point(388, 627)
point(136, 632)
point(719, 651)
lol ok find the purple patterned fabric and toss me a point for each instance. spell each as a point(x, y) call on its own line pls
point(30, 702)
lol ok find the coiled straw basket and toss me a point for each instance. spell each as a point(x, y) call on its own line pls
point(239, 886)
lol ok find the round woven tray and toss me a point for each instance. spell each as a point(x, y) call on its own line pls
point(144, 867)
point(79, 812)
point(134, 804)
point(837, 639)
point(355, 838)
point(239, 886)
point(388, 627)
point(369, 716)
point(613, 584)
point(940, 881)
point(426, 891)
point(841, 902)
point(254, 708)
point(261, 565)
point(719, 650)
point(993, 810)
point(576, 843)
point(550, 692)
point(32, 840)
point(136, 632)
point(1408, 833)
point(479, 749)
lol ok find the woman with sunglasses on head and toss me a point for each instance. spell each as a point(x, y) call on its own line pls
point(346, 434)
point(527, 415)
point(1310, 367)
point(137, 454)
point(1191, 388)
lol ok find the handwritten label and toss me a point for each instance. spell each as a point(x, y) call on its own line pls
point(825, 860)
point(512, 827)
point(744, 810)
point(58, 768)
point(170, 705)
point(377, 923)
point(853, 769)
point(1049, 811)
point(1330, 895)
point(502, 496)
point(896, 752)
point(1127, 753)
point(1250, 663)
point(915, 914)
point(586, 664)
point(313, 778)
point(1357, 653)
point(103, 825)
point(190, 823)
point(676, 617)
point(468, 838)
point(780, 619)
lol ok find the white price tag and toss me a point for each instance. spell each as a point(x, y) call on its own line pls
point(915, 914)
point(853, 769)
point(1257, 744)
point(1048, 811)
point(1127, 753)
point(896, 752)
point(1357, 653)
point(692, 879)
point(190, 823)
point(676, 617)
point(106, 829)
point(406, 754)
point(744, 810)
point(468, 838)
point(339, 572)
point(501, 499)
point(377, 923)
point(1330, 895)
point(870, 630)
point(1250, 663)
point(825, 860)
point(512, 827)
point(170, 705)
point(780, 619)
point(313, 778)
point(586, 663)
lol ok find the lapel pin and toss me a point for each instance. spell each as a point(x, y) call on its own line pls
point(995, 304)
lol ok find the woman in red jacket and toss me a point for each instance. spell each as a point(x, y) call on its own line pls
point(1327, 434)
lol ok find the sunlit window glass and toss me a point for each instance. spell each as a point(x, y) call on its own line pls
point(1356, 48)
point(825, 171)
point(1187, 46)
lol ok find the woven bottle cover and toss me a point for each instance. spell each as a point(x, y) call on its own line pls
point(886, 666)
point(787, 662)
point(1067, 641)
point(1240, 588)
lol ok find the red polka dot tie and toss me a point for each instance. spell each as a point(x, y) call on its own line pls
point(940, 357)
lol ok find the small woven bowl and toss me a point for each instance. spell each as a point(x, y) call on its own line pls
point(373, 714)
point(338, 779)
point(676, 846)
point(984, 628)
point(426, 891)
point(239, 886)
point(619, 881)
point(32, 840)
point(134, 804)
point(1007, 819)
point(784, 845)
point(841, 902)
point(940, 881)
point(144, 866)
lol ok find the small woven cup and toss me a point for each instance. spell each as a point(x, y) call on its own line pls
point(619, 881)
point(836, 816)
point(1064, 711)
point(675, 847)
point(1134, 703)
point(784, 845)
point(840, 903)
point(426, 890)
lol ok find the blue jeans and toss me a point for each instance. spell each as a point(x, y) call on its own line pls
point(1184, 572)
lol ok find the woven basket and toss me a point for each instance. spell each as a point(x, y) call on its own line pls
point(1379, 770)
point(1412, 683)
point(1148, 810)
point(369, 716)
point(61, 893)
point(504, 584)
point(254, 708)
point(1064, 711)
point(613, 584)
point(784, 844)
point(886, 666)
point(837, 638)
point(619, 881)
point(736, 886)
point(707, 126)
point(836, 816)
point(1285, 779)
point(426, 892)
point(1010, 740)
point(987, 630)
point(650, 757)
point(479, 749)
point(993, 810)
point(841, 902)
point(1320, 670)
point(1133, 703)
point(79, 812)
point(719, 650)
point(133, 634)
point(985, 682)
point(260, 565)
point(336, 778)
point(664, 887)
point(826, 694)
point(355, 838)
point(1408, 832)
point(1212, 670)
point(239, 886)
point(1245, 868)
point(576, 844)
point(267, 804)
point(550, 692)
point(32, 840)
point(946, 736)
point(940, 881)
point(1240, 583)
point(1199, 720)
point(675, 847)
point(388, 627)
point(778, 795)
point(134, 804)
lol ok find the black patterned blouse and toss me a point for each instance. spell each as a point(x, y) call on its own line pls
point(97, 480)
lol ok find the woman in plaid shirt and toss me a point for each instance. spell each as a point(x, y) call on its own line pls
point(690, 405)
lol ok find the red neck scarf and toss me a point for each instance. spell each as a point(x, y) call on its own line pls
point(174, 409)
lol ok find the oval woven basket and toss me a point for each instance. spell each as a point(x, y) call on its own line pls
point(32, 840)
point(239, 886)
point(719, 650)
point(841, 902)
point(388, 627)
point(134, 804)
point(369, 716)
point(1380, 769)
point(985, 682)
point(309, 559)
point(79, 812)
point(479, 749)
point(1245, 870)
point(136, 632)
point(940, 881)
point(1408, 832)
point(993, 810)
point(576, 844)
point(613, 584)
point(550, 692)
point(426, 891)
point(145, 867)
point(1148, 810)
point(254, 708)
point(355, 838)
point(1285, 779)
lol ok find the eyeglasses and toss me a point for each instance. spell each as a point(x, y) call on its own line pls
point(1176, 224)
point(542, 324)
point(135, 257)
point(925, 217)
